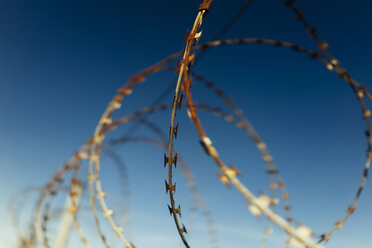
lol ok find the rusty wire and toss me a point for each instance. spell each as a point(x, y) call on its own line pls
point(229, 175)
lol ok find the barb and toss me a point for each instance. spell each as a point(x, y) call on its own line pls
point(360, 92)
point(51, 188)
point(167, 91)
point(274, 176)
point(199, 202)
point(229, 174)
point(92, 148)
point(190, 39)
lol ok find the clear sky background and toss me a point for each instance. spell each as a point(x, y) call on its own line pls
point(61, 62)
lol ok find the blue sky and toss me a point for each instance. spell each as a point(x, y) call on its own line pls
point(61, 62)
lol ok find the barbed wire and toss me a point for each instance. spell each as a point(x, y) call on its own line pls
point(298, 234)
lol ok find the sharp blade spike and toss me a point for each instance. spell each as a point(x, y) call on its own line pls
point(169, 187)
point(187, 36)
point(183, 228)
point(170, 210)
point(178, 68)
point(204, 147)
point(174, 160)
point(166, 187)
point(179, 101)
point(166, 159)
point(224, 179)
point(175, 130)
point(178, 210)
